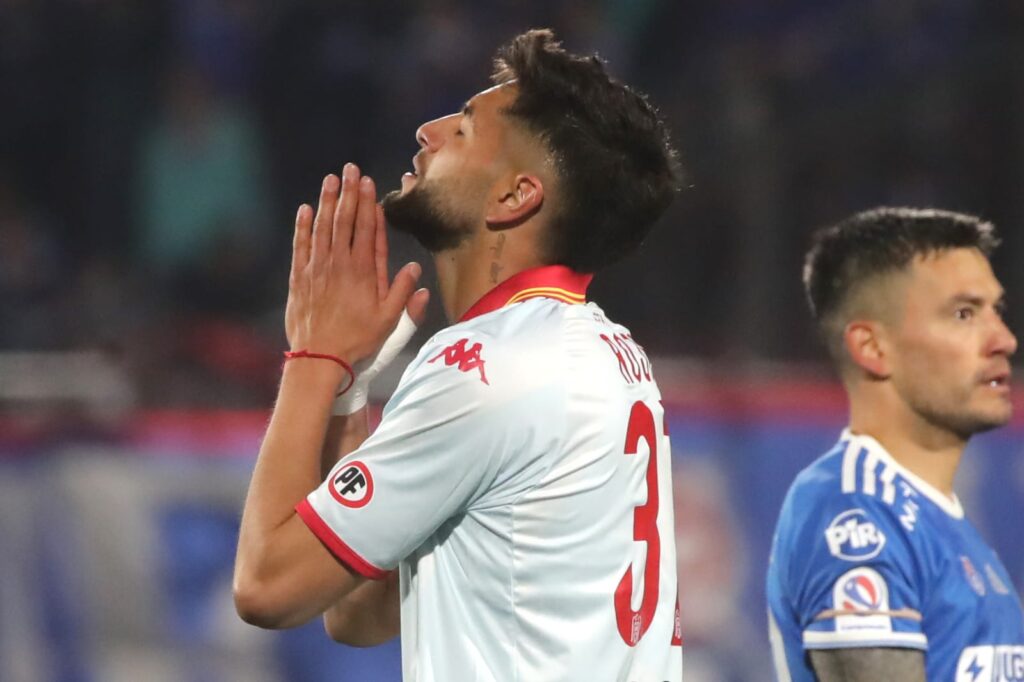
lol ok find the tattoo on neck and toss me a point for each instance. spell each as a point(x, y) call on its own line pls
point(496, 266)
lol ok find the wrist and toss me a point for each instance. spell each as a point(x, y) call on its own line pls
point(316, 373)
point(352, 400)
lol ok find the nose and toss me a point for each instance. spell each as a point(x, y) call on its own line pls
point(1004, 342)
point(431, 135)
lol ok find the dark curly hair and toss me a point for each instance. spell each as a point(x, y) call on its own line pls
point(616, 167)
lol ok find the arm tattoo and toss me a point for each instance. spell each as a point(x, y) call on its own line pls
point(868, 664)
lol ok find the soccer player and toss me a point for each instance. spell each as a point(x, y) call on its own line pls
point(875, 573)
point(511, 515)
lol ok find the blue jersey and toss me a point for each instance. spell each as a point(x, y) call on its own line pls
point(866, 554)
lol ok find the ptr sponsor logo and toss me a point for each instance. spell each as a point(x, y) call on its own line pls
point(852, 536)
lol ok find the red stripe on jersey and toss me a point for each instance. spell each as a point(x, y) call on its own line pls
point(562, 283)
point(337, 547)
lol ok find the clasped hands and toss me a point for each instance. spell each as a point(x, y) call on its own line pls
point(341, 301)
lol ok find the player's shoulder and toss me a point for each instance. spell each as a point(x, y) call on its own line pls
point(854, 496)
point(531, 335)
point(857, 469)
point(607, 348)
point(453, 360)
point(508, 351)
point(516, 325)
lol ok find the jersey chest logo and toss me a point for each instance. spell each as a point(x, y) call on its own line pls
point(991, 663)
point(467, 359)
point(972, 576)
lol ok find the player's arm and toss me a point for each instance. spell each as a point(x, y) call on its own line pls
point(868, 664)
point(340, 304)
point(369, 614)
point(854, 590)
point(283, 575)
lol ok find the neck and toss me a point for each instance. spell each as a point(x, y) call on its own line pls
point(466, 273)
point(931, 452)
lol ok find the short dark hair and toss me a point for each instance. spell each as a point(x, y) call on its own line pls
point(615, 164)
point(879, 242)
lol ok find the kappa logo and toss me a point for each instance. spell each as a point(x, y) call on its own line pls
point(853, 537)
point(352, 485)
point(467, 359)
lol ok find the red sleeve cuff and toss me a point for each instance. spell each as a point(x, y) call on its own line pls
point(335, 545)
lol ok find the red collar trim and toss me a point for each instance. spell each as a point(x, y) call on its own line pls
point(549, 281)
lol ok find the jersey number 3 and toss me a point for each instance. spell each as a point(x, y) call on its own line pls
point(633, 624)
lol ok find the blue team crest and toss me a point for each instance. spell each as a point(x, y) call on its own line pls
point(973, 577)
point(853, 536)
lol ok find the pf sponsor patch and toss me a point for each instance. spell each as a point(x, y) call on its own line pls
point(853, 536)
point(860, 598)
point(352, 485)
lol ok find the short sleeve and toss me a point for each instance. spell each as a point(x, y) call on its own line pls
point(445, 436)
point(852, 575)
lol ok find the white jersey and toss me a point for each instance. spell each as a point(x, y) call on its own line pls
point(521, 480)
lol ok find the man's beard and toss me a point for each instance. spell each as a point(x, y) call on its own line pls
point(955, 416)
point(418, 212)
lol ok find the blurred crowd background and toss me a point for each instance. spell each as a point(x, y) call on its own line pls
point(152, 155)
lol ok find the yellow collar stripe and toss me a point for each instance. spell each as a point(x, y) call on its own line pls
point(520, 299)
point(550, 292)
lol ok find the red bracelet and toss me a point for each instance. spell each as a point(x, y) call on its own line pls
point(292, 354)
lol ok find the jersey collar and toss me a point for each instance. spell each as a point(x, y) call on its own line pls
point(549, 281)
point(950, 505)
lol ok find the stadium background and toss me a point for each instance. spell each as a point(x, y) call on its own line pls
point(152, 155)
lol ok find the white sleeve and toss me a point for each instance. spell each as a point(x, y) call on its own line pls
point(444, 438)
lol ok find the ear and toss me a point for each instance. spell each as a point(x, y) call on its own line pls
point(865, 344)
point(516, 203)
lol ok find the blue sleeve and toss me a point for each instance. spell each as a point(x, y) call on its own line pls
point(852, 577)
